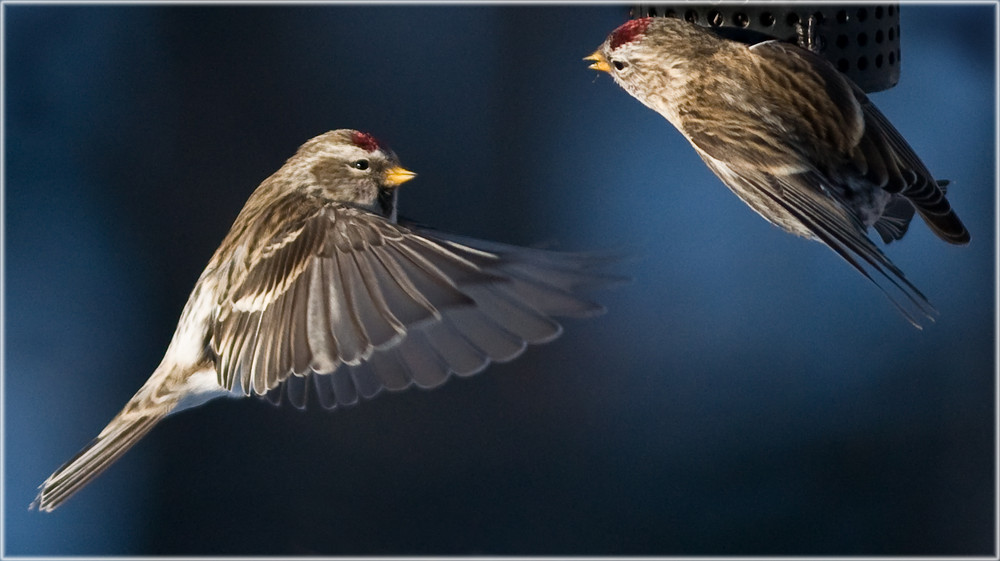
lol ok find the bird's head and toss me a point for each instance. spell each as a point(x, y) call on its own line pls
point(352, 167)
point(615, 55)
point(652, 55)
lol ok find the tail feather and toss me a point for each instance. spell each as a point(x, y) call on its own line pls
point(930, 201)
point(121, 434)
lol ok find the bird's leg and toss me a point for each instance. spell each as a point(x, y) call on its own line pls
point(807, 35)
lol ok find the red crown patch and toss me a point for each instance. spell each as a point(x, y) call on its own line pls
point(629, 31)
point(365, 141)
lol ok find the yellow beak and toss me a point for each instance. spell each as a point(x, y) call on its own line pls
point(398, 175)
point(600, 63)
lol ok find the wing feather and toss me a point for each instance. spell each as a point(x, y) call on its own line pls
point(259, 354)
point(242, 348)
point(804, 200)
point(352, 344)
point(461, 356)
point(322, 345)
point(493, 340)
point(368, 306)
point(422, 281)
point(421, 361)
point(388, 371)
point(515, 317)
point(878, 151)
point(343, 387)
point(402, 298)
point(296, 319)
point(548, 299)
point(365, 381)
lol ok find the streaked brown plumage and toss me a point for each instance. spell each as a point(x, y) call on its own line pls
point(791, 136)
point(318, 285)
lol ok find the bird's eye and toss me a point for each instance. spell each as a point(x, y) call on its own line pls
point(361, 164)
point(619, 65)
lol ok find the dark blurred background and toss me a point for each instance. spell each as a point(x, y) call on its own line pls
point(747, 393)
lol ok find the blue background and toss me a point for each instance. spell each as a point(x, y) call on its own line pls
point(747, 393)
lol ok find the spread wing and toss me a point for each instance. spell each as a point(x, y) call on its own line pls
point(348, 303)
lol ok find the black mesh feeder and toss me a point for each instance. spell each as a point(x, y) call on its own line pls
point(861, 40)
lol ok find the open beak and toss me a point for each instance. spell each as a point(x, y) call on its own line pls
point(600, 63)
point(398, 175)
